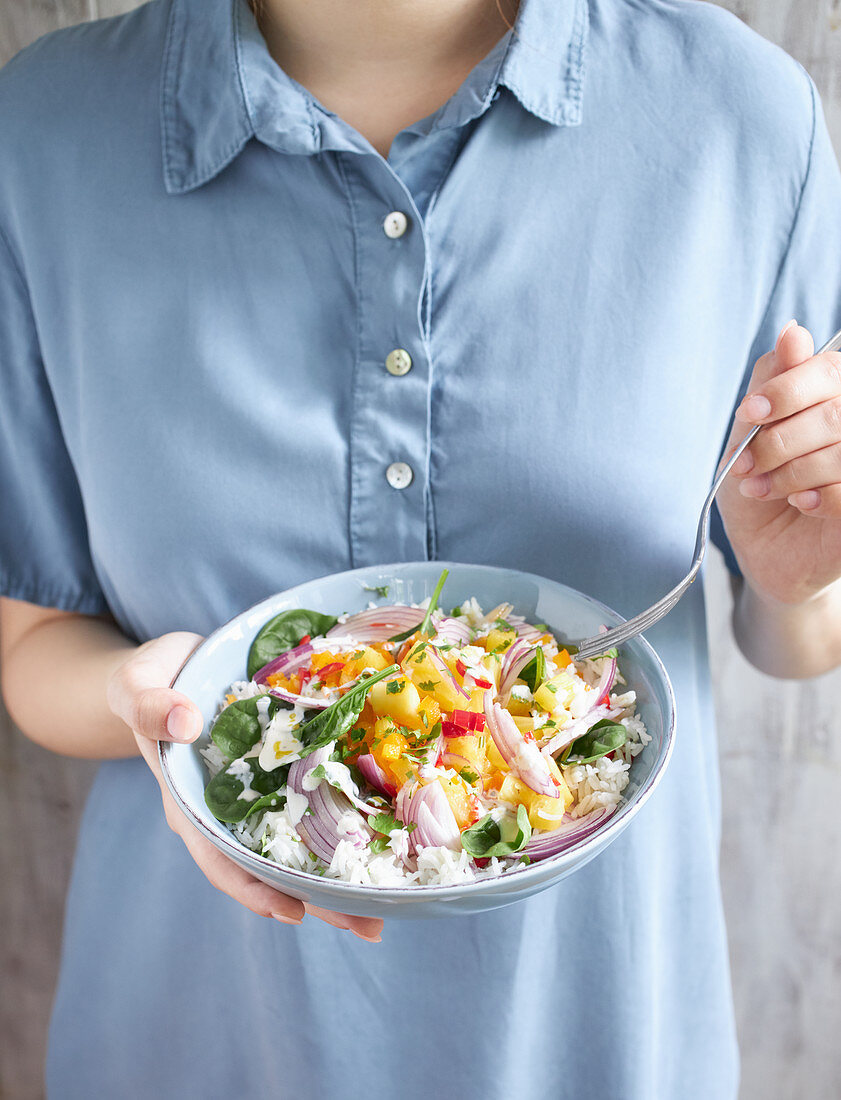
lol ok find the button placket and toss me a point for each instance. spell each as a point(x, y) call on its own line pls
point(389, 419)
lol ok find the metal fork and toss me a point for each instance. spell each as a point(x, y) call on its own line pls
point(594, 647)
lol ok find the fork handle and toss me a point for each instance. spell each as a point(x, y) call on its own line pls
point(593, 647)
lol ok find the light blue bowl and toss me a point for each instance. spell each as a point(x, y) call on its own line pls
point(221, 659)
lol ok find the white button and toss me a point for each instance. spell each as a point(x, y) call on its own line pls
point(398, 362)
point(395, 224)
point(399, 475)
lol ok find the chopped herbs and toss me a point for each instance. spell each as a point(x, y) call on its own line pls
point(380, 589)
point(394, 687)
point(428, 685)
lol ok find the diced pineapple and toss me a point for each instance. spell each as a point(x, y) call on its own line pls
point(557, 775)
point(514, 790)
point(429, 712)
point(523, 724)
point(519, 702)
point(398, 698)
point(388, 747)
point(497, 641)
point(368, 658)
point(555, 693)
point(494, 756)
point(419, 667)
point(459, 799)
point(471, 747)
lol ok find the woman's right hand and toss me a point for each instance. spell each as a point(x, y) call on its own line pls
point(139, 693)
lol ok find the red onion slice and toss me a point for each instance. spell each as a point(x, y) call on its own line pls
point(525, 630)
point(443, 670)
point(515, 659)
point(605, 682)
point(378, 624)
point(300, 700)
point(320, 828)
point(576, 728)
point(522, 756)
point(374, 776)
point(452, 632)
point(566, 835)
point(429, 810)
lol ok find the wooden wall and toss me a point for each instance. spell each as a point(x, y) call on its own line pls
point(781, 751)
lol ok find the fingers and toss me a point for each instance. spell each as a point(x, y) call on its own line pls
point(139, 692)
point(811, 471)
point(366, 928)
point(796, 395)
point(786, 383)
point(229, 877)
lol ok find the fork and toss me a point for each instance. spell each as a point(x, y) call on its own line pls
point(596, 646)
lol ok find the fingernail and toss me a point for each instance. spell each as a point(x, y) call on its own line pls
point(287, 920)
point(806, 501)
point(756, 486)
point(743, 464)
point(368, 939)
point(791, 324)
point(181, 724)
point(756, 407)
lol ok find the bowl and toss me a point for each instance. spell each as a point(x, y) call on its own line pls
point(221, 659)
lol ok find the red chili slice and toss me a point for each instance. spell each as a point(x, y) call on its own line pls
point(483, 683)
point(328, 670)
point(461, 667)
point(450, 729)
point(306, 638)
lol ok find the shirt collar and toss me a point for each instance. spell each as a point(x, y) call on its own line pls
point(220, 86)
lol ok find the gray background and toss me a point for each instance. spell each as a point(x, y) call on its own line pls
point(780, 760)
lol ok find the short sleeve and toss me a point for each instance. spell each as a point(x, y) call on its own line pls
point(44, 552)
point(808, 286)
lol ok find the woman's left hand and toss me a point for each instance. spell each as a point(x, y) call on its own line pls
point(781, 504)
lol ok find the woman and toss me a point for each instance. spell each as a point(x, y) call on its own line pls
point(577, 236)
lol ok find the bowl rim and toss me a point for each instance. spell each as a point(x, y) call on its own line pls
point(598, 840)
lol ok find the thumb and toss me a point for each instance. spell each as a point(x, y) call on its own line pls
point(139, 691)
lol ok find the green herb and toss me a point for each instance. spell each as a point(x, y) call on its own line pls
point(489, 838)
point(600, 739)
point(467, 775)
point(504, 626)
point(433, 603)
point(380, 589)
point(223, 792)
point(394, 687)
point(378, 844)
point(534, 673)
point(428, 685)
point(284, 632)
point(524, 859)
point(456, 612)
point(384, 823)
point(319, 773)
point(334, 721)
point(541, 626)
point(237, 729)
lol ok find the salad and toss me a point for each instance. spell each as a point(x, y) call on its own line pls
point(406, 746)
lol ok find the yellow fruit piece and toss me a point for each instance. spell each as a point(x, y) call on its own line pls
point(397, 698)
point(497, 641)
point(472, 748)
point(518, 707)
point(459, 799)
point(555, 693)
point(387, 747)
point(419, 667)
point(368, 658)
point(494, 756)
point(524, 725)
point(429, 712)
point(562, 659)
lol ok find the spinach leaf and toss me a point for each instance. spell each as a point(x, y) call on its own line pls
point(237, 729)
point(600, 739)
point(284, 632)
point(534, 673)
point(433, 603)
point(340, 717)
point(489, 838)
point(223, 792)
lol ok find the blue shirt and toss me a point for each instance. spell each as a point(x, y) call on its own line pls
point(606, 224)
